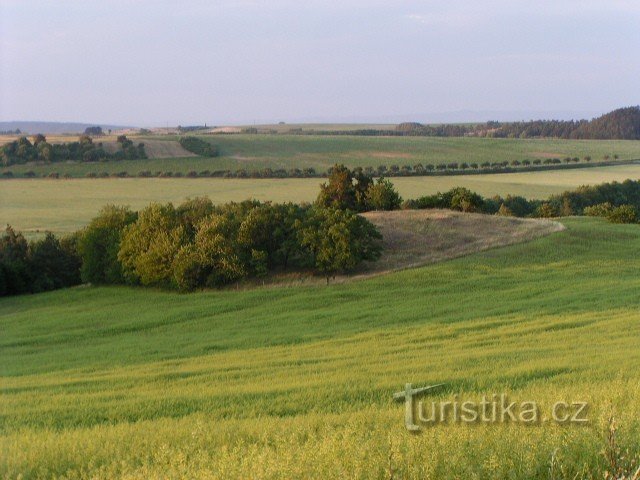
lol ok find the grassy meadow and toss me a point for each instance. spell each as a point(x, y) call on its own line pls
point(256, 152)
point(35, 205)
point(296, 382)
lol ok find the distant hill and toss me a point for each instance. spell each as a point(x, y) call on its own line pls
point(620, 124)
point(53, 127)
point(623, 123)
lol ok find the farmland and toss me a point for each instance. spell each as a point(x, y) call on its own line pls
point(61, 206)
point(297, 382)
point(257, 152)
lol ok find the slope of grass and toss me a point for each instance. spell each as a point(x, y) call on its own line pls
point(256, 152)
point(297, 382)
point(36, 205)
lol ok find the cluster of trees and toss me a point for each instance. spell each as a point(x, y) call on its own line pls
point(94, 131)
point(191, 128)
point(357, 191)
point(39, 265)
point(616, 201)
point(84, 150)
point(199, 147)
point(199, 245)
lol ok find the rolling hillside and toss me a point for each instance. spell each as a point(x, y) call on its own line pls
point(257, 152)
point(297, 382)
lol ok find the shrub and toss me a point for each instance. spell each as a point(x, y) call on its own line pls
point(599, 210)
point(465, 200)
point(199, 147)
point(504, 211)
point(546, 210)
point(623, 214)
point(382, 196)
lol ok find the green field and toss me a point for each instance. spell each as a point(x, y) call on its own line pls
point(34, 205)
point(286, 383)
point(256, 152)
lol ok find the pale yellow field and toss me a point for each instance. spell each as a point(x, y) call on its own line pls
point(34, 205)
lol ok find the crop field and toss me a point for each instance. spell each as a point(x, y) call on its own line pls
point(297, 382)
point(257, 152)
point(35, 205)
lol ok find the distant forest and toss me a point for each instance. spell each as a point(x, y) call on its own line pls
point(621, 124)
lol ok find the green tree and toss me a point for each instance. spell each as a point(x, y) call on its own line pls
point(383, 196)
point(52, 266)
point(193, 211)
point(14, 264)
point(339, 240)
point(465, 200)
point(344, 189)
point(218, 252)
point(99, 244)
point(149, 246)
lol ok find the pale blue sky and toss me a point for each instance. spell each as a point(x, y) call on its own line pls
point(148, 62)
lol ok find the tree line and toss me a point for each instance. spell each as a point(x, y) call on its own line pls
point(393, 170)
point(200, 245)
point(620, 124)
point(22, 150)
point(619, 202)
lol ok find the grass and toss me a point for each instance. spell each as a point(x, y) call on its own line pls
point(297, 382)
point(414, 238)
point(256, 152)
point(35, 205)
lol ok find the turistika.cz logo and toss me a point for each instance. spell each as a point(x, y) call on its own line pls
point(492, 409)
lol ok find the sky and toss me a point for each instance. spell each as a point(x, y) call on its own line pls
point(190, 62)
